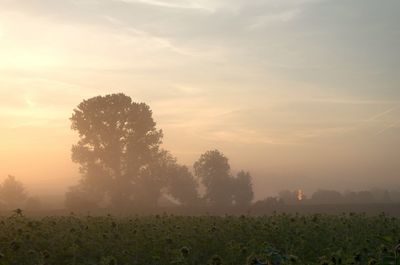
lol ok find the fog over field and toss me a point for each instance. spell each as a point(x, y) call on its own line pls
point(303, 94)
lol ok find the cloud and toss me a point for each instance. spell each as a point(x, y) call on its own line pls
point(243, 136)
point(395, 124)
point(284, 16)
point(183, 4)
point(304, 85)
point(162, 50)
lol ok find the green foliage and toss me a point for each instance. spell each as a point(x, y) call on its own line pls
point(265, 240)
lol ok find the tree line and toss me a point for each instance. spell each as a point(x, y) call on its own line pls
point(13, 195)
point(123, 166)
point(326, 196)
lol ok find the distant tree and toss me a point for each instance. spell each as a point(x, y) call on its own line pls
point(349, 197)
point(365, 196)
point(33, 204)
point(395, 195)
point(148, 184)
point(288, 197)
point(213, 170)
point(272, 201)
point(182, 185)
point(381, 195)
point(326, 197)
point(359, 197)
point(243, 189)
point(12, 193)
point(267, 204)
point(165, 176)
point(79, 198)
point(386, 198)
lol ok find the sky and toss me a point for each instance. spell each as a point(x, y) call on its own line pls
point(304, 94)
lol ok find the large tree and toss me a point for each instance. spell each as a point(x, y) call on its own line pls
point(118, 144)
point(119, 152)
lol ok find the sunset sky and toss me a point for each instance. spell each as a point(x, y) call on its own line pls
point(302, 93)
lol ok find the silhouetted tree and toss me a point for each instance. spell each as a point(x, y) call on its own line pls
point(182, 186)
point(165, 175)
point(395, 195)
point(267, 204)
point(152, 178)
point(365, 196)
point(12, 193)
point(118, 146)
point(381, 195)
point(79, 198)
point(273, 201)
point(120, 156)
point(288, 197)
point(243, 189)
point(326, 197)
point(359, 197)
point(213, 170)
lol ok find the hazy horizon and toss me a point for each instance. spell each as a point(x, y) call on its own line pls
point(303, 94)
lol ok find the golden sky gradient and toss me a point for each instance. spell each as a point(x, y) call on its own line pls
point(303, 94)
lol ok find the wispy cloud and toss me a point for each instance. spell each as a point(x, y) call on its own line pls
point(395, 124)
point(351, 101)
point(182, 4)
point(277, 80)
point(249, 137)
point(388, 125)
point(382, 114)
point(268, 19)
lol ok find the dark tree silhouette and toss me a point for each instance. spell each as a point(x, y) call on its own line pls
point(166, 175)
point(381, 195)
point(327, 197)
point(243, 189)
point(394, 195)
point(120, 156)
point(213, 170)
point(182, 185)
point(267, 204)
point(118, 146)
point(12, 193)
point(288, 197)
point(359, 197)
point(81, 198)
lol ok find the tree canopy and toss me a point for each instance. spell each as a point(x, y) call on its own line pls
point(223, 189)
point(123, 165)
point(243, 189)
point(213, 170)
point(120, 156)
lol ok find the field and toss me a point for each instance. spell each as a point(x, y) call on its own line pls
point(167, 239)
